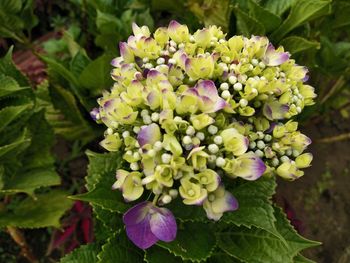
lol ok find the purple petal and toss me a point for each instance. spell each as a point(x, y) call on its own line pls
point(207, 88)
point(163, 224)
point(149, 134)
point(137, 213)
point(116, 62)
point(220, 104)
point(141, 234)
point(231, 201)
point(94, 113)
point(173, 25)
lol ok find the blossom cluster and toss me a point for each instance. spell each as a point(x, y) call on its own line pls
point(187, 110)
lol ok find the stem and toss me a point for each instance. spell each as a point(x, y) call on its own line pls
point(18, 237)
point(155, 199)
point(336, 138)
point(339, 83)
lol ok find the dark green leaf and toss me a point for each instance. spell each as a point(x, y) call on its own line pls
point(278, 7)
point(302, 11)
point(248, 25)
point(268, 19)
point(83, 254)
point(295, 44)
point(9, 86)
point(301, 259)
point(158, 255)
point(16, 146)
point(11, 113)
point(194, 241)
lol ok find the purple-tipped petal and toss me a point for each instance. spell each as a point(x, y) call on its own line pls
point(275, 110)
point(224, 204)
point(219, 105)
point(273, 57)
point(149, 134)
point(173, 25)
point(207, 88)
point(163, 224)
point(250, 168)
point(116, 62)
point(95, 114)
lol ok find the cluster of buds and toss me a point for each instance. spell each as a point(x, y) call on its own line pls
point(188, 109)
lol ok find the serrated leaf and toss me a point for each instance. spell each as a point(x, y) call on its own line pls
point(255, 207)
point(253, 245)
point(269, 20)
point(82, 254)
point(8, 68)
point(302, 11)
point(104, 196)
point(295, 44)
point(16, 146)
point(27, 182)
point(187, 212)
point(11, 6)
point(301, 259)
point(156, 254)
point(9, 86)
point(295, 242)
point(96, 75)
point(44, 211)
point(194, 241)
point(119, 249)
point(79, 62)
point(107, 222)
point(248, 25)
point(9, 114)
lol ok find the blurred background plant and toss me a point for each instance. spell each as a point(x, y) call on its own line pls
point(64, 48)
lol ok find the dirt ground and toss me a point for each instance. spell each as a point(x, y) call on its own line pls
point(321, 198)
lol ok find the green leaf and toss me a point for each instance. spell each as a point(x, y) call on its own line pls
point(9, 114)
point(83, 254)
point(341, 17)
point(295, 242)
point(9, 86)
point(8, 68)
point(255, 207)
point(186, 213)
point(248, 25)
point(119, 249)
point(253, 245)
point(79, 62)
point(156, 254)
point(96, 76)
point(194, 241)
point(11, 6)
point(104, 196)
point(44, 211)
point(301, 259)
point(278, 7)
point(268, 19)
point(295, 44)
point(27, 182)
point(302, 11)
point(16, 146)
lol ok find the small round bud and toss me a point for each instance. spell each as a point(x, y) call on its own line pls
point(267, 137)
point(166, 199)
point(155, 116)
point(243, 102)
point(148, 65)
point(275, 162)
point(181, 46)
point(232, 79)
point(224, 86)
point(213, 148)
point(158, 146)
point(136, 129)
point(151, 153)
point(225, 94)
point(284, 159)
point(262, 65)
point(177, 119)
point(187, 139)
point(190, 130)
point(218, 140)
point(220, 161)
point(166, 158)
point(172, 49)
point(260, 135)
point(200, 135)
point(212, 129)
point(259, 153)
point(238, 86)
point(211, 158)
point(109, 131)
point(137, 145)
point(126, 134)
point(160, 61)
point(255, 62)
point(147, 119)
point(136, 155)
point(145, 60)
point(296, 153)
point(252, 145)
point(134, 166)
point(289, 152)
point(144, 112)
point(260, 145)
point(129, 152)
point(173, 193)
point(172, 43)
point(172, 61)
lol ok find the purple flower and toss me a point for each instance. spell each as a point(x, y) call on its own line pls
point(146, 224)
point(273, 57)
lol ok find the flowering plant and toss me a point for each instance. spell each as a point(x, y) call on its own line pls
point(192, 115)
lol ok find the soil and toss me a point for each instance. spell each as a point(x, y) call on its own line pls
point(321, 198)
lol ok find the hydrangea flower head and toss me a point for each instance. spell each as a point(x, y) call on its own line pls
point(192, 112)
